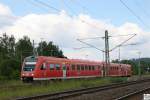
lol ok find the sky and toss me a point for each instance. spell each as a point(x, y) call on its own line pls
point(65, 21)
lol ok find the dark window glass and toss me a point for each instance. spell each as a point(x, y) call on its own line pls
point(78, 67)
point(73, 67)
point(43, 66)
point(93, 67)
point(57, 66)
point(82, 67)
point(86, 67)
point(51, 66)
point(29, 67)
point(90, 67)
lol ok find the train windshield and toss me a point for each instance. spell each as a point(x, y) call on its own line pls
point(28, 67)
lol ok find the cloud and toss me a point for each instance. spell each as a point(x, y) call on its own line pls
point(6, 16)
point(4, 10)
point(64, 30)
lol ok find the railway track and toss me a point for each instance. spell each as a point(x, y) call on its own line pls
point(78, 92)
point(130, 95)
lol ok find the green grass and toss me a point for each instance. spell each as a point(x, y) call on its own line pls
point(54, 86)
point(10, 82)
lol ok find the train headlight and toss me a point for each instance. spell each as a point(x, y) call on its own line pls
point(22, 74)
point(32, 74)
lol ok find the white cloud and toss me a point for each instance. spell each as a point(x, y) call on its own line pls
point(4, 10)
point(6, 16)
point(64, 30)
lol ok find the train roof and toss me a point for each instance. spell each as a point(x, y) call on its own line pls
point(69, 60)
point(74, 61)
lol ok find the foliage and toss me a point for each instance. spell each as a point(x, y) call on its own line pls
point(49, 49)
point(12, 54)
point(10, 69)
point(144, 65)
point(23, 47)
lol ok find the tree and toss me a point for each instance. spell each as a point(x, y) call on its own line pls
point(12, 54)
point(23, 48)
point(49, 49)
point(134, 65)
point(7, 46)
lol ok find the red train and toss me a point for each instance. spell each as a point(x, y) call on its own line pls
point(47, 68)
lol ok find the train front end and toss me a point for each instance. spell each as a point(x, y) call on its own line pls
point(28, 69)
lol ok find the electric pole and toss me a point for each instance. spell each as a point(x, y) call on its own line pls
point(106, 69)
point(106, 51)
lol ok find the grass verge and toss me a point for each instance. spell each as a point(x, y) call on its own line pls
point(54, 86)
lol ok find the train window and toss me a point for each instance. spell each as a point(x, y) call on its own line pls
point(28, 67)
point(82, 67)
point(51, 66)
point(78, 67)
point(43, 67)
point(86, 67)
point(93, 67)
point(90, 67)
point(73, 67)
point(57, 66)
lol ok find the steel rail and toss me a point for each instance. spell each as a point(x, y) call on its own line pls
point(124, 97)
point(72, 93)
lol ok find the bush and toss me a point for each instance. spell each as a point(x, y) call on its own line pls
point(9, 69)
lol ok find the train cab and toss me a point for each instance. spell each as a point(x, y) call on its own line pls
point(28, 68)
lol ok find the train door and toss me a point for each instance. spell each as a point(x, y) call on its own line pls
point(64, 70)
point(43, 71)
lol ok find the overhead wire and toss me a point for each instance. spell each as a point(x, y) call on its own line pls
point(47, 5)
point(58, 10)
point(113, 36)
point(142, 8)
point(83, 21)
point(137, 16)
point(74, 12)
point(122, 43)
point(35, 4)
point(93, 25)
point(68, 6)
point(90, 45)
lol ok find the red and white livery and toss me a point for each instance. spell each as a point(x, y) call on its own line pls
point(47, 68)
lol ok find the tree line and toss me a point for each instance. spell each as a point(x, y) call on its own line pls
point(13, 52)
point(143, 63)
